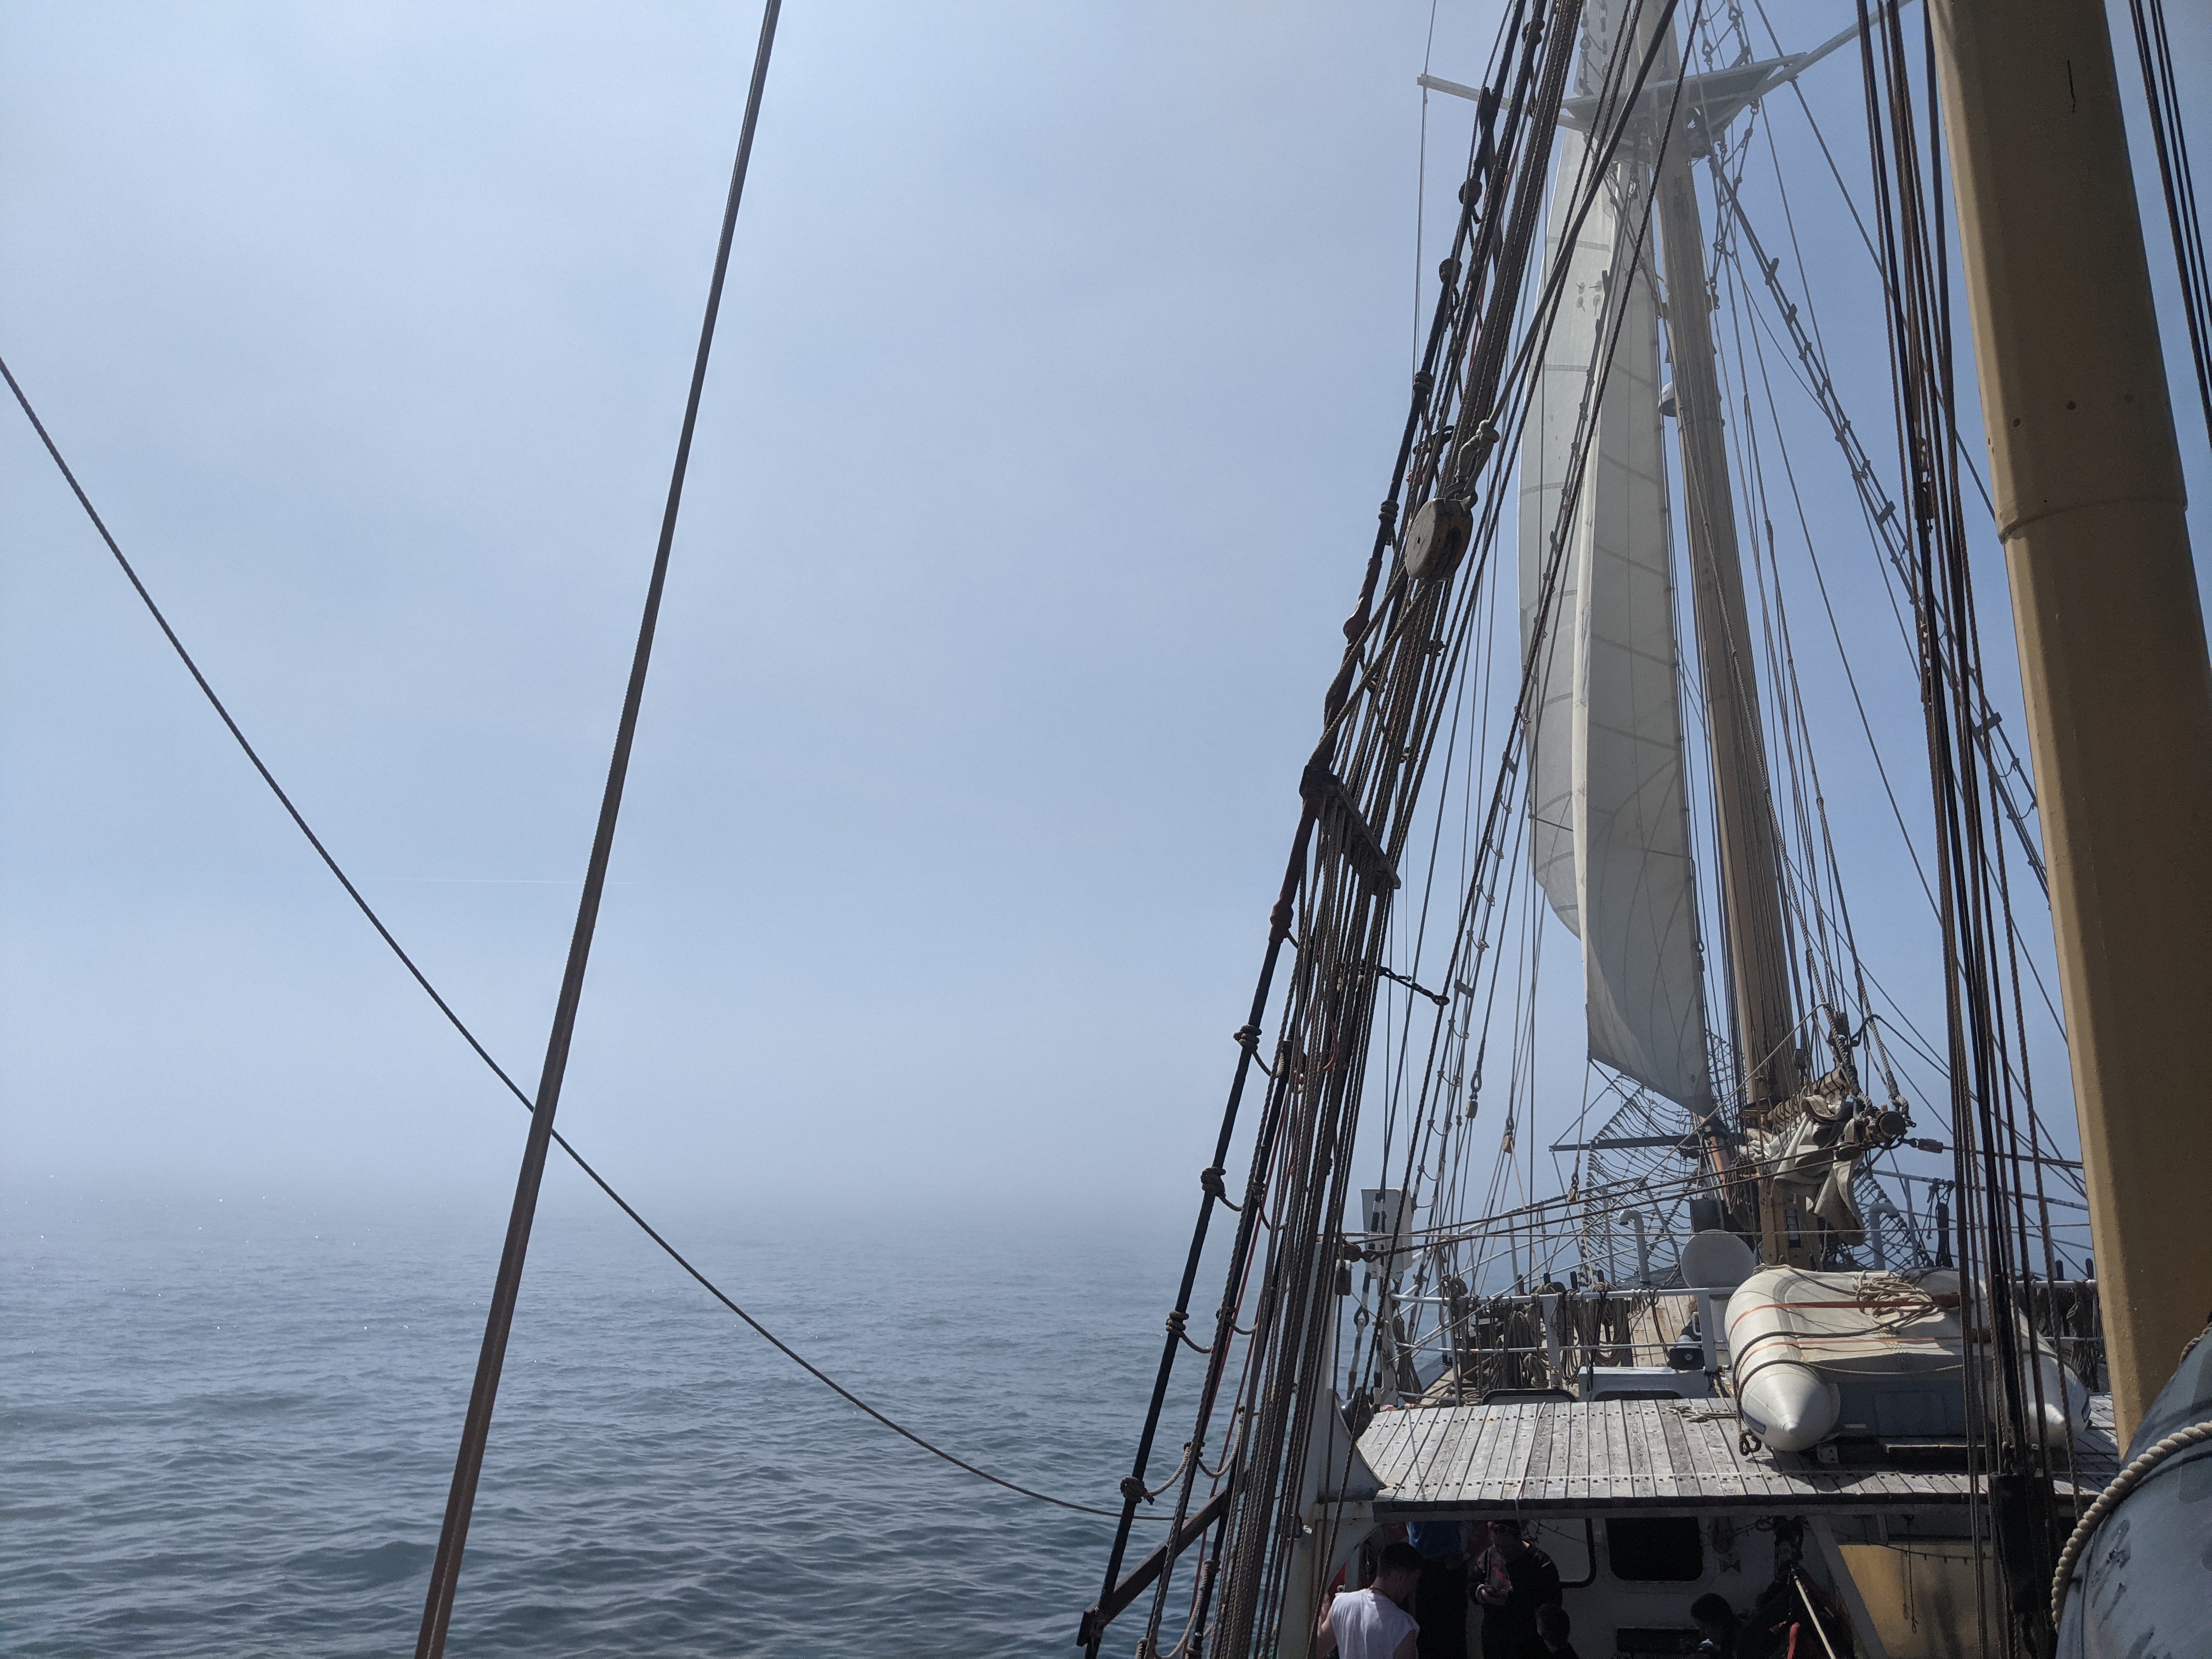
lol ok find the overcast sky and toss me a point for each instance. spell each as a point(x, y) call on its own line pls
point(1062, 364)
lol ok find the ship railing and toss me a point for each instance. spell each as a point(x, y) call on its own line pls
point(1544, 1348)
point(1544, 1339)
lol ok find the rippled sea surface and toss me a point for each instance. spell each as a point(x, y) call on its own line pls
point(227, 1429)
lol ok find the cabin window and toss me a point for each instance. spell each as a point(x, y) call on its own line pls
point(1668, 1550)
point(1573, 1545)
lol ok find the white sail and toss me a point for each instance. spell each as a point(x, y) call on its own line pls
point(1610, 835)
point(1546, 443)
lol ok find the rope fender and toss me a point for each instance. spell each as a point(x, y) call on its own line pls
point(2129, 1478)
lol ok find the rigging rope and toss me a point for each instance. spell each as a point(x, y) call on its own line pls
point(2006, 1406)
point(2163, 93)
point(1882, 520)
point(1384, 717)
point(1350, 690)
point(454, 1018)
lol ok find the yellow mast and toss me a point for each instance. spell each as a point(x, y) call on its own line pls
point(2089, 506)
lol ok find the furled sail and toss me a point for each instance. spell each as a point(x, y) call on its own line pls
point(1610, 835)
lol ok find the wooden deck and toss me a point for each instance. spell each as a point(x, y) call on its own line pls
point(1650, 1456)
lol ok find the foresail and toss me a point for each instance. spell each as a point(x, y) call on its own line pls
point(1607, 785)
point(1642, 974)
point(1546, 442)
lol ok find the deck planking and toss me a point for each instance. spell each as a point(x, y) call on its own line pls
point(1649, 1454)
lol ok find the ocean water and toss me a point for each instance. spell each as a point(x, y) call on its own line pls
point(227, 1429)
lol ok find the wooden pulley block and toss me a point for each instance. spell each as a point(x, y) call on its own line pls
point(1437, 538)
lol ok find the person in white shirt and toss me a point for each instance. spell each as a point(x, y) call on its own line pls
point(1373, 1623)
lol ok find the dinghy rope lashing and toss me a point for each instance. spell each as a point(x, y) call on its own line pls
point(445, 1008)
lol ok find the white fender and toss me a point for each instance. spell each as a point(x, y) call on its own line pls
point(1787, 1405)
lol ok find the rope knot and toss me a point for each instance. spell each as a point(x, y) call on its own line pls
point(1209, 1181)
point(1134, 1489)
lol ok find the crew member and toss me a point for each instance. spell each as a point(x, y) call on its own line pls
point(1515, 1579)
point(1373, 1623)
point(1440, 1602)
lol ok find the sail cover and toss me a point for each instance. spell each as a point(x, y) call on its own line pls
point(1610, 829)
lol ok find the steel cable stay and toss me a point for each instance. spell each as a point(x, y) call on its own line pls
point(1335, 921)
point(1987, 732)
point(1882, 522)
point(1346, 694)
point(1801, 868)
point(1431, 1156)
point(1371, 766)
point(445, 1008)
point(1788, 695)
point(1511, 786)
point(1851, 677)
point(1424, 1119)
point(1291, 1337)
point(2010, 1463)
point(1962, 674)
point(2162, 95)
point(1881, 516)
point(1402, 1047)
point(1433, 1116)
point(1432, 1122)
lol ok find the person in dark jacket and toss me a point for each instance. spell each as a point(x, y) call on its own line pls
point(1440, 1602)
point(1513, 1579)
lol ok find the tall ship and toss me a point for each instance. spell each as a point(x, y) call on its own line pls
point(1612, 1243)
point(1770, 1310)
